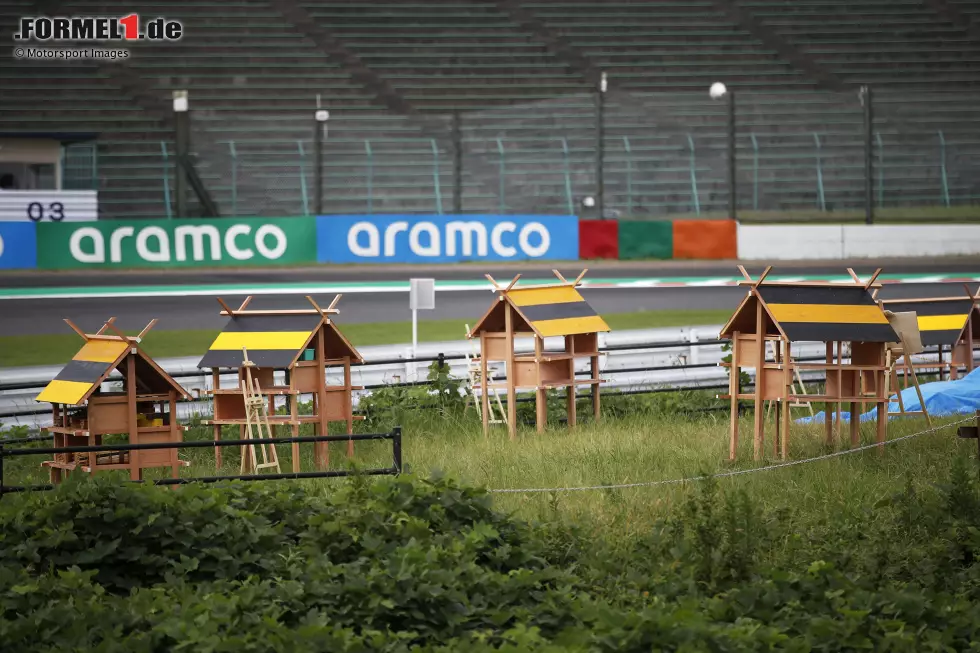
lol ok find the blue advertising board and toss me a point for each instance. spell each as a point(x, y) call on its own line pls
point(18, 245)
point(446, 238)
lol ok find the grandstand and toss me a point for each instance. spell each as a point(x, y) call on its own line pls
point(521, 74)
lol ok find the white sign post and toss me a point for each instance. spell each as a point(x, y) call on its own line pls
point(421, 297)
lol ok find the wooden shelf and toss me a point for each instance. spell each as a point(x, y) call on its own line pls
point(278, 419)
point(275, 390)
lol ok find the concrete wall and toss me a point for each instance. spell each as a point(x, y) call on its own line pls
point(829, 242)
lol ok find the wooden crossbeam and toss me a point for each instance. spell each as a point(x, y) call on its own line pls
point(871, 281)
point(146, 329)
point(765, 273)
point(494, 283)
point(333, 305)
point(74, 327)
point(105, 326)
point(560, 278)
point(225, 306)
point(116, 330)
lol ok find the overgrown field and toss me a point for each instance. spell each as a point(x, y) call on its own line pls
point(886, 563)
point(876, 550)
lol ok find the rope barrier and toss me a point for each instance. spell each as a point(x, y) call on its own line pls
point(740, 472)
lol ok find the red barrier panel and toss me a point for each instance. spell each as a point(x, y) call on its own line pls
point(598, 239)
point(705, 239)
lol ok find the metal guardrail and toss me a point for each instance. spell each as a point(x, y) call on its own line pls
point(395, 436)
point(635, 361)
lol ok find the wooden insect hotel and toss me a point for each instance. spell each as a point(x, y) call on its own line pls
point(538, 311)
point(834, 314)
point(302, 344)
point(945, 322)
point(144, 409)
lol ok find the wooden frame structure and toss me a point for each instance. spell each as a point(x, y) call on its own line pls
point(952, 322)
point(302, 343)
point(832, 313)
point(82, 413)
point(540, 311)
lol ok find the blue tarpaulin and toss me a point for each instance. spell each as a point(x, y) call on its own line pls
point(960, 397)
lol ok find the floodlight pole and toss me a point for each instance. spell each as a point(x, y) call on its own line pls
point(182, 137)
point(457, 162)
point(320, 118)
point(868, 105)
point(600, 129)
point(732, 162)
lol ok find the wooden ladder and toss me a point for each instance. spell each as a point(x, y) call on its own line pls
point(256, 416)
point(799, 389)
point(473, 371)
point(891, 382)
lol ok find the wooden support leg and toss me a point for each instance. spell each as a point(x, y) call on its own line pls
point(175, 437)
point(776, 443)
point(135, 471)
point(734, 387)
point(485, 389)
point(828, 418)
point(760, 372)
point(595, 388)
point(855, 424)
point(788, 384)
point(541, 394)
point(215, 385)
point(571, 405)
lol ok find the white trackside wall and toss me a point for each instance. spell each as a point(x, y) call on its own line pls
point(846, 242)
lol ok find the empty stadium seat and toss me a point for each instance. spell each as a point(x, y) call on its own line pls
point(528, 118)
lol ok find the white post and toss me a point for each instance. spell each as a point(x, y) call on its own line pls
point(422, 296)
point(694, 347)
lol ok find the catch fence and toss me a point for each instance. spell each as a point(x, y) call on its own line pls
point(803, 154)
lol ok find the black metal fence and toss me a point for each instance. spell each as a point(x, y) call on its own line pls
point(394, 436)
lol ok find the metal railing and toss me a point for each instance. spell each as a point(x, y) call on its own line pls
point(395, 436)
point(656, 378)
point(805, 154)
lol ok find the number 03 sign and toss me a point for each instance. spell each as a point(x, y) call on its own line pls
point(49, 206)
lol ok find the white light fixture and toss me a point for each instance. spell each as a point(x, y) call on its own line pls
point(717, 91)
point(322, 115)
point(603, 85)
point(180, 101)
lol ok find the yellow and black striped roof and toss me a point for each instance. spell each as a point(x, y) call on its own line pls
point(941, 321)
point(271, 340)
point(552, 311)
point(827, 313)
point(85, 372)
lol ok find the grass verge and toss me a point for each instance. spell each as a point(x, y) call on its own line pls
point(17, 351)
point(871, 551)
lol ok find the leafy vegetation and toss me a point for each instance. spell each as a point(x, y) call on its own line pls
point(864, 552)
point(409, 564)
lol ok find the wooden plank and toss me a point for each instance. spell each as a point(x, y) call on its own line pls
point(968, 432)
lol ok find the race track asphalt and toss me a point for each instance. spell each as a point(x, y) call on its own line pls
point(42, 316)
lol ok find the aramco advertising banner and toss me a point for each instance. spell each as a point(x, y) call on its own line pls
point(176, 243)
point(446, 238)
point(18, 246)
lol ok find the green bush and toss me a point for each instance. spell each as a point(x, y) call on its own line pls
point(405, 564)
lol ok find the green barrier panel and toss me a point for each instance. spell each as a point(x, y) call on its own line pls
point(235, 242)
point(645, 239)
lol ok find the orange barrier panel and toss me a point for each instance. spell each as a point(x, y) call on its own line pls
point(705, 239)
